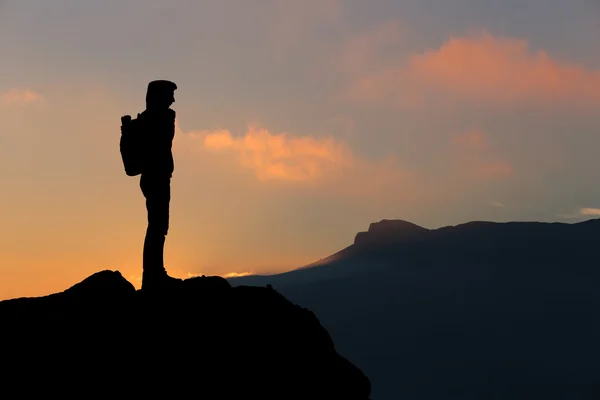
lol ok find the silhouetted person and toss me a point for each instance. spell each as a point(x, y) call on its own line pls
point(156, 129)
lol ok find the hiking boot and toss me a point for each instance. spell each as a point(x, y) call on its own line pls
point(159, 281)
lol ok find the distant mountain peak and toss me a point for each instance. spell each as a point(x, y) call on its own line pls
point(395, 226)
point(399, 232)
point(388, 230)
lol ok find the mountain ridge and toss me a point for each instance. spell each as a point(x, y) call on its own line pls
point(397, 232)
point(482, 310)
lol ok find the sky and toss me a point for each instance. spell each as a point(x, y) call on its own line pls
point(298, 124)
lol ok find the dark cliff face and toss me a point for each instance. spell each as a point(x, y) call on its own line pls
point(205, 339)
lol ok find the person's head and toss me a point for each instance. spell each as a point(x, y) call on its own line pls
point(160, 94)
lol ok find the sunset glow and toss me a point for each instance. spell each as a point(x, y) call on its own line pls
point(298, 124)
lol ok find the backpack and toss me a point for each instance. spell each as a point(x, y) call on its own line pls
point(131, 145)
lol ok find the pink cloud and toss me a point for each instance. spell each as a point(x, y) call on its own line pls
point(480, 68)
point(502, 69)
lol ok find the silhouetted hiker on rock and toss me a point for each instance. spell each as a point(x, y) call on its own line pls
point(146, 144)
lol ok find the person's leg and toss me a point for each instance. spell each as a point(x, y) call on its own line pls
point(158, 219)
point(157, 191)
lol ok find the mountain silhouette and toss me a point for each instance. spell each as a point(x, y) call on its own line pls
point(480, 310)
point(203, 339)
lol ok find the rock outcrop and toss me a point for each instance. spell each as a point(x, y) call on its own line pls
point(386, 232)
point(205, 340)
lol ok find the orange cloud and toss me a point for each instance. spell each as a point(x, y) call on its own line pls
point(502, 68)
point(329, 165)
point(324, 164)
point(483, 67)
point(19, 97)
point(236, 274)
point(590, 211)
point(282, 156)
